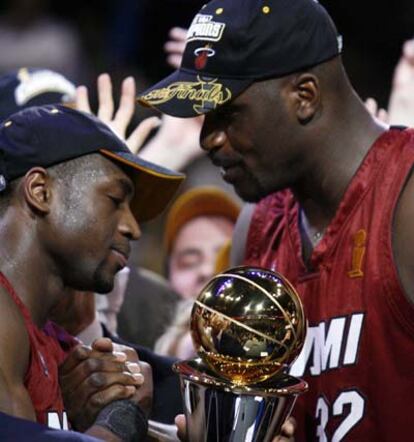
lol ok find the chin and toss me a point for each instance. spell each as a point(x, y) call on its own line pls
point(104, 287)
point(250, 189)
point(103, 284)
point(251, 194)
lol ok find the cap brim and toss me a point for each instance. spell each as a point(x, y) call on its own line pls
point(154, 185)
point(188, 94)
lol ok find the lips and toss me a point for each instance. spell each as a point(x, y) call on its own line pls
point(223, 162)
point(232, 174)
point(121, 256)
point(231, 168)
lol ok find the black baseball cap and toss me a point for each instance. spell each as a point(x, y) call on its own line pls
point(48, 135)
point(232, 43)
point(27, 87)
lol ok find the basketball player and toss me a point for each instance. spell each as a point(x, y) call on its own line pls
point(62, 171)
point(335, 201)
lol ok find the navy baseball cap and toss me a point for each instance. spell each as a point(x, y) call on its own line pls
point(48, 135)
point(33, 87)
point(232, 43)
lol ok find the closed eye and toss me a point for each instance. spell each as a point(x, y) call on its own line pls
point(116, 200)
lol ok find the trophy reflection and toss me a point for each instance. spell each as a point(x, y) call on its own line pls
point(248, 327)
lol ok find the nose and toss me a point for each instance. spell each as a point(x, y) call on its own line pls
point(128, 225)
point(212, 137)
point(206, 270)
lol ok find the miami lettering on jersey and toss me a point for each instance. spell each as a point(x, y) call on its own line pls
point(330, 345)
point(57, 421)
point(323, 346)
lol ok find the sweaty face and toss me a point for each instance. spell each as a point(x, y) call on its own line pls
point(194, 253)
point(250, 140)
point(91, 225)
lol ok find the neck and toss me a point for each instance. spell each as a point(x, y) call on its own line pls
point(340, 146)
point(28, 268)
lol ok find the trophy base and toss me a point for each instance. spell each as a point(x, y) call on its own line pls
point(218, 411)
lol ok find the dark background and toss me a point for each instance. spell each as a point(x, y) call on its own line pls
point(126, 36)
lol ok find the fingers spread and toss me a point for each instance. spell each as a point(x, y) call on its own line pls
point(178, 33)
point(82, 99)
point(140, 134)
point(126, 106)
point(174, 60)
point(106, 102)
point(176, 47)
point(408, 51)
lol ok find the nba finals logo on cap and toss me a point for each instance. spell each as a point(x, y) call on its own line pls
point(204, 28)
point(206, 94)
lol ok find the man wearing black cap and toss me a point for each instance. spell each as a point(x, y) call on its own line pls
point(71, 197)
point(335, 201)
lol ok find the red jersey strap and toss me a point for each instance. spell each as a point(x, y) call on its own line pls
point(23, 309)
point(48, 349)
point(51, 329)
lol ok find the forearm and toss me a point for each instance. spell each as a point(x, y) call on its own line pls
point(15, 400)
point(122, 420)
point(102, 433)
point(165, 154)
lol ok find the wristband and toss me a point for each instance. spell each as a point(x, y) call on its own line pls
point(125, 419)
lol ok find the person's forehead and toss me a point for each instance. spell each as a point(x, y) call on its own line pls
point(202, 228)
point(118, 174)
point(252, 96)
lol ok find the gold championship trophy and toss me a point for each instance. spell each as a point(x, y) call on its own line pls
point(248, 327)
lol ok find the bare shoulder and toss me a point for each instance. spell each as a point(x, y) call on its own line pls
point(14, 358)
point(241, 230)
point(403, 237)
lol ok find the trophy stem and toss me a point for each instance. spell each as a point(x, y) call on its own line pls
point(217, 411)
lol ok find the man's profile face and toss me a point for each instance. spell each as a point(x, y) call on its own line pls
point(250, 140)
point(92, 226)
point(194, 253)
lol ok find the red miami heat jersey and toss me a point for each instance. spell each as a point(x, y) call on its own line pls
point(358, 356)
point(48, 349)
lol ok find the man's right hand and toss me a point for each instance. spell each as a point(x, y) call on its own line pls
point(91, 378)
point(287, 432)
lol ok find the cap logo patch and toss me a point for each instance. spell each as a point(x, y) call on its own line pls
point(202, 55)
point(206, 94)
point(204, 28)
point(35, 83)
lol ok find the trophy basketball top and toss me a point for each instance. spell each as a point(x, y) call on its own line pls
point(248, 324)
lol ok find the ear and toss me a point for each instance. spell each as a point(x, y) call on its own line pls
point(307, 94)
point(37, 190)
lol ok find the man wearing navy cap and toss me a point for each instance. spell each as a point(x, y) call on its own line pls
point(71, 197)
point(334, 192)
